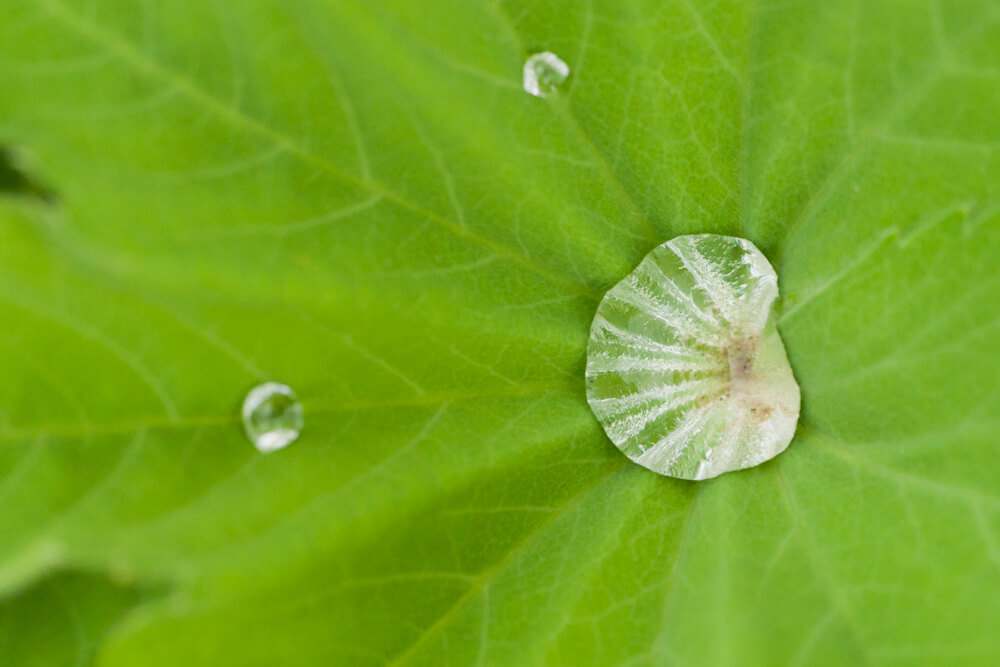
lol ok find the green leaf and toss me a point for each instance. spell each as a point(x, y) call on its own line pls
point(359, 200)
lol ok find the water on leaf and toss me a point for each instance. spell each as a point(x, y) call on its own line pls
point(272, 416)
point(686, 370)
point(543, 73)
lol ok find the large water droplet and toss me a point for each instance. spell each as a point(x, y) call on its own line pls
point(272, 416)
point(543, 73)
point(686, 370)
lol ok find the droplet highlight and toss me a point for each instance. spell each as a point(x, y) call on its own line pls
point(543, 73)
point(686, 370)
point(272, 416)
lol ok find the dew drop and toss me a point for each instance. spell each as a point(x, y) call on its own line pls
point(686, 370)
point(543, 73)
point(272, 416)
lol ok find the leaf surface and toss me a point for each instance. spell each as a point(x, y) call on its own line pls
point(359, 200)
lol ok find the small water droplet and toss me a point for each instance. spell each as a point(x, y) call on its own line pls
point(543, 73)
point(272, 416)
point(686, 370)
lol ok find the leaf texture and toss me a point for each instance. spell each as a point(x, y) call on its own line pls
point(358, 199)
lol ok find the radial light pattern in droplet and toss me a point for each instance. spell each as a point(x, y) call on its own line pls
point(272, 416)
point(686, 370)
point(543, 73)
